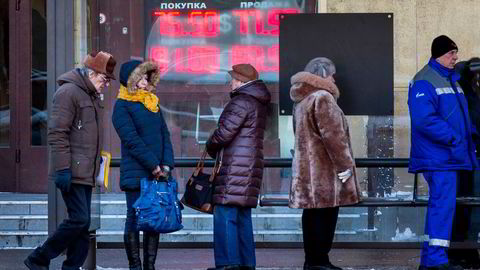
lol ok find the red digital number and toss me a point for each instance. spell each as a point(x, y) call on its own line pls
point(212, 24)
point(243, 20)
point(169, 24)
point(197, 60)
point(159, 54)
point(255, 55)
point(198, 24)
point(272, 19)
point(249, 54)
point(204, 24)
point(274, 57)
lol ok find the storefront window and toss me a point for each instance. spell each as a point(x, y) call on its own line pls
point(195, 44)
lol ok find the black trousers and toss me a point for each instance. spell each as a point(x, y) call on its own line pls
point(461, 220)
point(72, 235)
point(318, 227)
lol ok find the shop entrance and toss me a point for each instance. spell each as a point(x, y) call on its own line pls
point(23, 95)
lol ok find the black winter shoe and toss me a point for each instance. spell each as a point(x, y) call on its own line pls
point(466, 258)
point(243, 267)
point(325, 266)
point(33, 266)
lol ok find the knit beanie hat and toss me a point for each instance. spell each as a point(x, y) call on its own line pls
point(126, 69)
point(442, 45)
point(244, 72)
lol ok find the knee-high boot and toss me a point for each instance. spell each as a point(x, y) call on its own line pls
point(132, 247)
point(150, 248)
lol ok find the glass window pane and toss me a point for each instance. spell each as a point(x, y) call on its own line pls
point(195, 49)
point(4, 94)
point(39, 73)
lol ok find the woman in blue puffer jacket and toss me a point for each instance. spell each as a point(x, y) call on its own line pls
point(146, 149)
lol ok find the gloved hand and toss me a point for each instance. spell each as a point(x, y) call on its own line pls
point(345, 175)
point(63, 179)
point(166, 171)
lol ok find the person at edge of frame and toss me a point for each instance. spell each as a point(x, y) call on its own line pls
point(441, 146)
point(467, 183)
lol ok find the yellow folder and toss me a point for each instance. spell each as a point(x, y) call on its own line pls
point(102, 178)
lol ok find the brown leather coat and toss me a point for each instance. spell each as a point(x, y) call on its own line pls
point(240, 133)
point(75, 129)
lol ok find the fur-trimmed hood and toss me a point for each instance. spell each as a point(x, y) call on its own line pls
point(139, 71)
point(305, 83)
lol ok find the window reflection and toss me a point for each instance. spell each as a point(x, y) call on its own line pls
point(4, 96)
point(39, 73)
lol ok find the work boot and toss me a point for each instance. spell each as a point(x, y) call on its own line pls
point(446, 266)
point(150, 248)
point(466, 258)
point(132, 247)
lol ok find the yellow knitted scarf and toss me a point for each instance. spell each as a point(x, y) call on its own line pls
point(148, 99)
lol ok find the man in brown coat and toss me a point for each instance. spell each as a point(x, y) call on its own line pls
point(323, 167)
point(237, 186)
point(75, 139)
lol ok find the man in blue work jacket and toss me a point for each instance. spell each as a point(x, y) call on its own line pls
point(441, 145)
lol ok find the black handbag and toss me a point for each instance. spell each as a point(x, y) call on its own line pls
point(199, 189)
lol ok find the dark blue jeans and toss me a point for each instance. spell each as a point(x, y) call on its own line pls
point(131, 220)
point(72, 234)
point(233, 236)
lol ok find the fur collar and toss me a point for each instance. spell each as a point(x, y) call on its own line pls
point(137, 74)
point(305, 83)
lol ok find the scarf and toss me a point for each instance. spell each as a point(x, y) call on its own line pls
point(148, 99)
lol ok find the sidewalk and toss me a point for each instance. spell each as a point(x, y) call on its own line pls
point(267, 259)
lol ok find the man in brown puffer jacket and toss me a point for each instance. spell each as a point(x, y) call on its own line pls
point(75, 140)
point(240, 134)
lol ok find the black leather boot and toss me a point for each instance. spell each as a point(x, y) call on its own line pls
point(324, 266)
point(150, 248)
point(243, 267)
point(132, 247)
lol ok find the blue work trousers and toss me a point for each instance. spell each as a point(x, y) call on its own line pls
point(442, 187)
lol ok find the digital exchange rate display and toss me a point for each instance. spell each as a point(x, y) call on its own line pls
point(199, 41)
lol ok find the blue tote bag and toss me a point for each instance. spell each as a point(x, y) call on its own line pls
point(158, 208)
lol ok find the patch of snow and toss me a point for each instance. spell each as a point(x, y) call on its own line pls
point(406, 235)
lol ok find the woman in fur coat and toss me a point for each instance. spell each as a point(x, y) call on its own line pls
point(146, 149)
point(323, 167)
